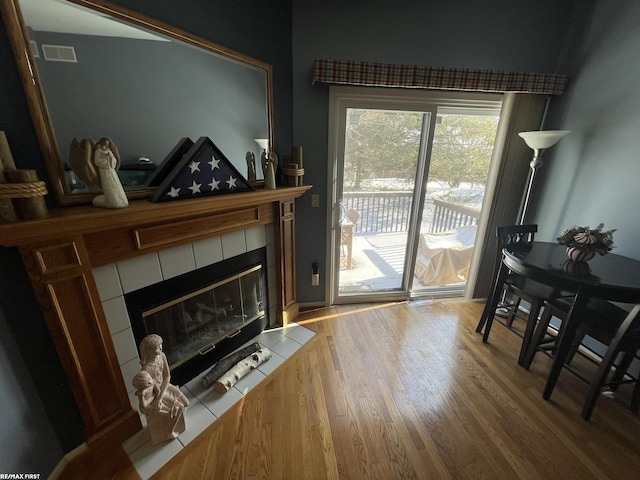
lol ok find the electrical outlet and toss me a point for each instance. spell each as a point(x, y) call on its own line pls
point(315, 280)
point(315, 200)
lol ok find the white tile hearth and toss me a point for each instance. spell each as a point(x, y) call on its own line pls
point(205, 405)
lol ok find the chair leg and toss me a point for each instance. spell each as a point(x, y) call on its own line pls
point(490, 307)
point(594, 391)
point(538, 334)
point(485, 317)
point(560, 356)
point(599, 381)
point(513, 310)
point(532, 322)
point(577, 341)
point(621, 369)
point(635, 398)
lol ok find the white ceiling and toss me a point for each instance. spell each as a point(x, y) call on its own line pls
point(64, 17)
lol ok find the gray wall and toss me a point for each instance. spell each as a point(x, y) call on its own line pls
point(519, 35)
point(592, 175)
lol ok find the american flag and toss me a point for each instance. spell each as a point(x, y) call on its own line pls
point(204, 170)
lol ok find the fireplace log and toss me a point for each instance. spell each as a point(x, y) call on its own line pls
point(242, 368)
point(225, 364)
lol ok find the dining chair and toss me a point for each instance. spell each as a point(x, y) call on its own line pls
point(614, 327)
point(517, 288)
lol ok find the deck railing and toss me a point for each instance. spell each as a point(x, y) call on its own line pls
point(448, 216)
point(387, 212)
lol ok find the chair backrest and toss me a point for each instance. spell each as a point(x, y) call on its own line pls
point(353, 216)
point(630, 328)
point(515, 234)
point(512, 235)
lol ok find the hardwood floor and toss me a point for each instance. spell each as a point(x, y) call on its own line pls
point(399, 391)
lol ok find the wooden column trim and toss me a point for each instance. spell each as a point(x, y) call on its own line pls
point(286, 273)
point(62, 278)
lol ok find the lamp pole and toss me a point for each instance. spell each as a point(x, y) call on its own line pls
point(535, 163)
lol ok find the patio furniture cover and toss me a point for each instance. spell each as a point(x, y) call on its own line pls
point(444, 258)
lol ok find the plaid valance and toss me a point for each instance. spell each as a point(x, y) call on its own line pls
point(437, 78)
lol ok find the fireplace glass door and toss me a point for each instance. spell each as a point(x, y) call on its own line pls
point(193, 324)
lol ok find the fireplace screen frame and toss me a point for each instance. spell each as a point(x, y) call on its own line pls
point(170, 291)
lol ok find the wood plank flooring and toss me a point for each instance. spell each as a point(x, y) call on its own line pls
point(399, 391)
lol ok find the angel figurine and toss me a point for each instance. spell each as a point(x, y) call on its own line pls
point(269, 166)
point(80, 161)
point(97, 165)
point(251, 166)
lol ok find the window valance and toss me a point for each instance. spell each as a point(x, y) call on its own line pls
point(346, 72)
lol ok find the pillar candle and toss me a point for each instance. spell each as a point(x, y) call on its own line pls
point(297, 156)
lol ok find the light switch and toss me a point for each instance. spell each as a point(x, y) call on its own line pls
point(315, 200)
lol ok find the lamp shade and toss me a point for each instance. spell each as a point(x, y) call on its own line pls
point(539, 140)
point(263, 142)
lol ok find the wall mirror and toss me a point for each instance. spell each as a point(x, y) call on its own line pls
point(92, 69)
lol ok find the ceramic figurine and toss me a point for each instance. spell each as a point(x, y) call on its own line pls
point(106, 160)
point(97, 166)
point(269, 166)
point(251, 167)
point(161, 402)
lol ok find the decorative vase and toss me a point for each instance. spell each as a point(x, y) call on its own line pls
point(577, 268)
point(578, 254)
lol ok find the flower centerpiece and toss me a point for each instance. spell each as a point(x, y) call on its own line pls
point(584, 242)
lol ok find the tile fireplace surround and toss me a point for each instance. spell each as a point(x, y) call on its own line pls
point(81, 260)
point(116, 279)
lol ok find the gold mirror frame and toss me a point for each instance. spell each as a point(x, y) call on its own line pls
point(36, 100)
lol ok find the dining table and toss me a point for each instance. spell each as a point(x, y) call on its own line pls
point(609, 277)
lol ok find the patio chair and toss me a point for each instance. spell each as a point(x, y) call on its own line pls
point(347, 227)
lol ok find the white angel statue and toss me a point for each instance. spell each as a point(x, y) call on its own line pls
point(97, 165)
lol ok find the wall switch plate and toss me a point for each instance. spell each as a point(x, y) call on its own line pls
point(315, 200)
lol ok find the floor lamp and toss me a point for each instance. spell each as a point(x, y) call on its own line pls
point(539, 141)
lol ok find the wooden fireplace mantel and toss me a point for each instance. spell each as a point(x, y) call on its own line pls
point(60, 252)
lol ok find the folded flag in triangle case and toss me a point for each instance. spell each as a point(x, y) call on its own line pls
point(202, 171)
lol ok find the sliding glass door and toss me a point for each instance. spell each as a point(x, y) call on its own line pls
point(458, 169)
point(407, 175)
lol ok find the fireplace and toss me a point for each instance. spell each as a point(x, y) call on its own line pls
point(75, 259)
point(205, 314)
